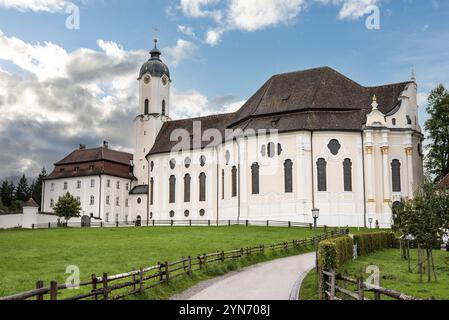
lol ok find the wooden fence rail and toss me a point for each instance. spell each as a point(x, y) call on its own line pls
point(334, 286)
point(137, 281)
point(173, 223)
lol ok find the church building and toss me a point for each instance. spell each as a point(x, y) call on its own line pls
point(307, 139)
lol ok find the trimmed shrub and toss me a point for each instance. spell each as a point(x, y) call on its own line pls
point(371, 242)
point(333, 253)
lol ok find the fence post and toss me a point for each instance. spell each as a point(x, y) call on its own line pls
point(39, 285)
point(189, 266)
point(377, 295)
point(94, 285)
point(289, 224)
point(49, 225)
point(247, 223)
point(361, 289)
point(105, 286)
point(161, 275)
point(268, 223)
point(53, 290)
point(190, 223)
point(200, 262)
point(229, 223)
point(134, 279)
point(332, 283)
point(32, 226)
point(208, 223)
point(172, 223)
point(141, 280)
point(222, 256)
point(116, 224)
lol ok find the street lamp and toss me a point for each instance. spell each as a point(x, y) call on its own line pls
point(315, 215)
point(370, 220)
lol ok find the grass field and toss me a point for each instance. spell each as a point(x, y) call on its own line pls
point(29, 256)
point(394, 275)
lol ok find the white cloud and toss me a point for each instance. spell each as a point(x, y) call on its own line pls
point(183, 50)
point(254, 15)
point(35, 5)
point(188, 31)
point(64, 98)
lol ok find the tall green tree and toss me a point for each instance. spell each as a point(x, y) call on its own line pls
point(437, 127)
point(67, 207)
point(426, 219)
point(7, 193)
point(37, 187)
point(23, 192)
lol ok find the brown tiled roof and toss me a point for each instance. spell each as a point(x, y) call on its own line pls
point(93, 162)
point(97, 154)
point(315, 99)
point(445, 182)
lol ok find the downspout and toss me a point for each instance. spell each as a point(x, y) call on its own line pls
point(364, 181)
point(42, 197)
point(313, 168)
point(99, 198)
point(218, 185)
point(238, 182)
point(149, 191)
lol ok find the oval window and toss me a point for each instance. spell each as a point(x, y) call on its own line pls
point(139, 200)
point(172, 214)
point(202, 213)
point(187, 213)
point(187, 162)
point(172, 164)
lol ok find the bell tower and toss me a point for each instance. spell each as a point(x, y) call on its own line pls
point(154, 109)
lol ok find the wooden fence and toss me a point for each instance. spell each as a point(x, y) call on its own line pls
point(334, 286)
point(138, 280)
point(175, 223)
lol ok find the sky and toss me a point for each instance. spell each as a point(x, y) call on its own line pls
point(68, 69)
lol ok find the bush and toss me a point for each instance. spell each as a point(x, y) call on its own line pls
point(333, 253)
point(371, 242)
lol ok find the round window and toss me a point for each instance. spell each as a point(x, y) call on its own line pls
point(139, 200)
point(187, 213)
point(202, 161)
point(187, 162)
point(172, 214)
point(172, 164)
point(202, 213)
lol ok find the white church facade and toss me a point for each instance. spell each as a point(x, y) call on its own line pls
point(304, 140)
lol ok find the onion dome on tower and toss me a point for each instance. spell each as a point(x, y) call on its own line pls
point(154, 66)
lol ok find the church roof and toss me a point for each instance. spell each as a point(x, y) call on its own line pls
point(96, 154)
point(314, 99)
point(93, 162)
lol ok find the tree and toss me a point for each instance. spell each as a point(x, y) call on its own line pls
point(67, 207)
point(437, 127)
point(7, 193)
point(23, 192)
point(37, 187)
point(426, 219)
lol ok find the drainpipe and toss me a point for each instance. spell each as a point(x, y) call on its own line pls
point(99, 199)
point(218, 184)
point(313, 175)
point(364, 180)
point(149, 191)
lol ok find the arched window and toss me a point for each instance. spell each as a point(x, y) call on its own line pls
point(172, 164)
point(163, 107)
point(186, 213)
point(172, 192)
point(151, 191)
point(187, 182)
point(202, 161)
point(202, 213)
point(396, 175)
point(187, 162)
point(108, 200)
point(255, 178)
point(234, 181)
point(107, 217)
point(172, 214)
point(52, 203)
point(321, 171)
point(393, 121)
point(202, 186)
point(347, 174)
point(271, 149)
point(288, 176)
point(147, 106)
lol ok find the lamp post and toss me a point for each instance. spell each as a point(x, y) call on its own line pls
point(370, 220)
point(315, 215)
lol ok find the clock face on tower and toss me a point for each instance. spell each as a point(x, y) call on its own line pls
point(146, 79)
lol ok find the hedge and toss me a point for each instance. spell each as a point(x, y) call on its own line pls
point(333, 253)
point(371, 242)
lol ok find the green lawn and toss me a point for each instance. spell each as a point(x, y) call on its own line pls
point(394, 275)
point(29, 256)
